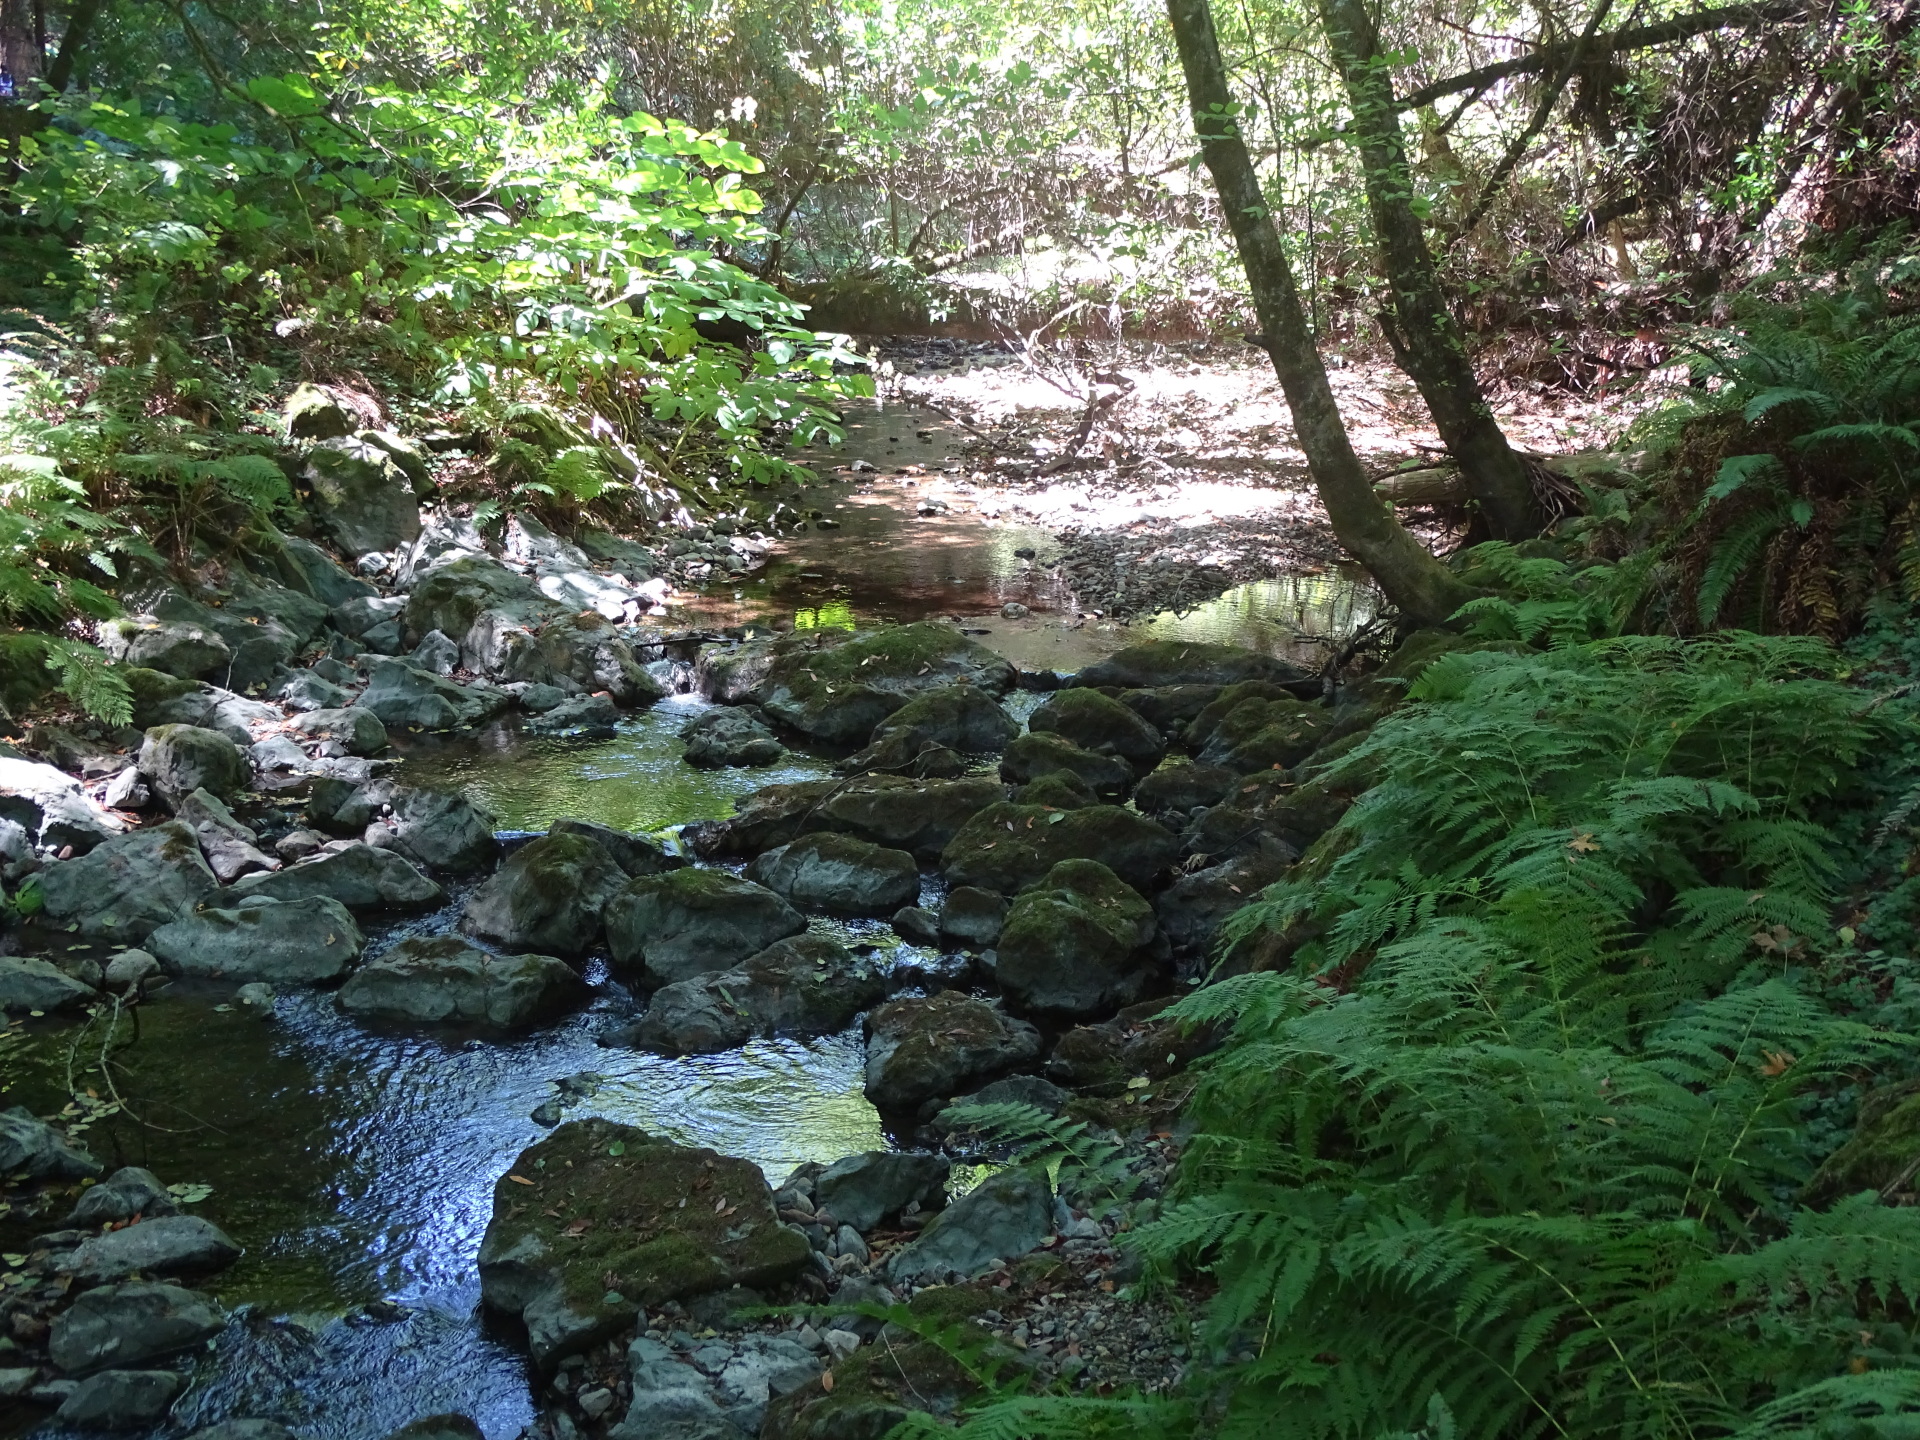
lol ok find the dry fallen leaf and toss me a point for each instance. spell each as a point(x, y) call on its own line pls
point(826, 1381)
point(519, 1179)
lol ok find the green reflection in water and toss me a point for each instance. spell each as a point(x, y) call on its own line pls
point(1278, 617)
point(636, 781)
point(834, 615)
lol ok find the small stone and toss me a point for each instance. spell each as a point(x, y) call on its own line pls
point(841, 1343)
point(595, 1402)
point(1014, 610)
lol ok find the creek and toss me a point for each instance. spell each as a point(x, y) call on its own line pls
point(357, 1167)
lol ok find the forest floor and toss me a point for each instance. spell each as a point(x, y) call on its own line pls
point(1189, 481)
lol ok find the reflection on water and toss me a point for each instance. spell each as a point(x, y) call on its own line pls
point(635, 781)
point(1291, 616)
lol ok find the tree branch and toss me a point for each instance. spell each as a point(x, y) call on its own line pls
point(1634, 37)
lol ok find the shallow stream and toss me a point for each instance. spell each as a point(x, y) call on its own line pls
point(357, 1167)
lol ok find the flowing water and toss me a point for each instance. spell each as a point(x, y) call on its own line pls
point(357, 1167)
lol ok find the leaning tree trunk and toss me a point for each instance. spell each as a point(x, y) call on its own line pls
point(1423, 589)
point(1420, 326)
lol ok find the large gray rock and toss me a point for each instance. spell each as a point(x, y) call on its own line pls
point(580, 717)
point(1080, 945)
point(442, 830)
point(1037, 755)
point(838, 687)
point(50, 806)
point(1193, 908)
point(806, 985)
point(972, 917)
point(295, 942)
point(731, 736)
point(692, 922)
point(636, 854)
point(1105, 727)
point(170, 1245)
point(918, 816)
point(863, 1190)
point(121, 1326)
point(32, 1146)
point(584, 648)
point(763, 1368)
point(128, 1192)
point(173, 647)
point(452, 597)
point(1176, 790)
point(363, 500)
point(839, 874)
point(313, 412)
point(360, 877)
point(120, 1400)
point(29, 984)
point(309, 569)
point(922, 1050)
point(231, 848)
point(1002, 1218)
point(671, 1400)
point(961, 718)
point(662, 1222)
point(405, 698)
point(180, 759)
point(440, 979)
point(358, 729)
point(1265, 734)
point(1187, 662)
point(548, 897)
point(1010, 848)
point(368, 612)
point(125, 888)
point(305, 690)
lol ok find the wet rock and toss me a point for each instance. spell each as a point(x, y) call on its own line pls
point(1139, 1041)
point(1265, 735)
point(180, 759)
point(731, 737)
point(919, 1050)
point(357, 728)
point(1268, 807)
point(863, 1190)
point(637, 855)
point(1195, 906)
point(972, 917)
point(441, 830)
point(435, 654)
point(918, 816)
point(128, 969)
point(1008, 848)
point(733, 675)
point(163, 699)
point(1081, 944)
point(806, 985)
point(533, 697)
point(582, 649)
point(120, 1400)
point(1161, 663)
point(671, 1400)
point(121, 1326)
point(128, 1192)
point(1170, 708)
point(1004, 1217)
point(306, 690)
point(583, 717)
point(367, 612)
point(547, 897)
point(127, 887)
point(31, 1146)
point(1037, 754)
point(621, 1227)
point(763, 1368)
point(173, 647)
point(401, 696)
point(916, 926)
point(360, 877)
point(50, 806)
point(1106, 727)
point(1177, 789)
point(836, 686)
point(244, 1430)
point(1058, 790)
point(1013, 1090)
point(839, 875)
point(170, 1245)
point(960, 718)
point(296, 942)
point(453, 596)
point(1230, 698)
point(230, 848)
point(440, 979)
point(28, 985)
point(692, 922)
point(362, 499)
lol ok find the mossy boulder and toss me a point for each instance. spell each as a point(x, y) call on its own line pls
point(1170, 708)
point(180, 759)
point(841, 690)
point(312, 412)
point(1266, 735)
point(663, 928)
point(442, 980)
point(1057, 790)
point(163, 699)
point(1036, 754)
point(1179, 789)
point(293, 942)
point(806, 985)
point(839, 875)
point(1161, 663)
point(1010, 848)
point(362, 499)
point(1105, 727)
point(600, 1219)
point(1883, 1154)
point(548, 897)
point(961, 718)
point(1264, 807)
point(1080, 944)
point(920, 1051)
point(918, 816)
point(1139, 1041)
point(126, 888)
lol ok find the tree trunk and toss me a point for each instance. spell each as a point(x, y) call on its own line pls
point(1419, 325)
point(1423, 589)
